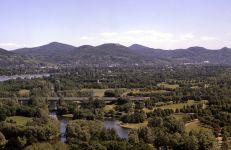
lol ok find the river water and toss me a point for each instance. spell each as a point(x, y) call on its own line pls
point(108, 123)
point(24, 76)
point(112, 123)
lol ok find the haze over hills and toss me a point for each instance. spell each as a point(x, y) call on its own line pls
point(189, 55)
point(111, 55)
point(11, 59)
point(103, 55)
point(51, 52)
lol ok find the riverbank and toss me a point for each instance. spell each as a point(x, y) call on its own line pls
point(134, 125)
point(109, 123)
point(23, 76)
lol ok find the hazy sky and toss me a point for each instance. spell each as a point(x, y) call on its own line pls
point(165, 24)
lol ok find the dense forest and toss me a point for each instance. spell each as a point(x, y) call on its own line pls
point(185, 107)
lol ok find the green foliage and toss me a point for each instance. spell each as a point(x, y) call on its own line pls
point(155, 122)
point(2, 114)
point(47, 146)
point(82, 131)
point(3, 140)
point(88, 114)
point(137, 117)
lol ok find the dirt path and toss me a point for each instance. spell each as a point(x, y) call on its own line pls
point(193, 121)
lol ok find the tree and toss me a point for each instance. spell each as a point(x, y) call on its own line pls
point(173, 125)
point(109, 93)
point(133, 137)
point(146, 134)
point(190, 142)
point(2, 114)
point(3, 140)
point(155, 122)
point(206, 139)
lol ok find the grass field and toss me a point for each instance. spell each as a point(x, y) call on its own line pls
point(150, 91)
point(107, 108)
point(229, 142)
point(168, 86)
point(68, 115)
point(197, 126)
point(97, 92)
point(181, 105)
point(134, 125)
point(176, 106)
point(24, 93)
point(19, 120)
point(146, 110)
point(179, 116)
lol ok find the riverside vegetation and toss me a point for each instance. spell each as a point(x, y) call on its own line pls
point(189, 107)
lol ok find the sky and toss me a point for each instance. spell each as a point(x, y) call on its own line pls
point(166, 24)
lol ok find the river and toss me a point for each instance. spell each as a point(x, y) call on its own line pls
point(24, 76)
point(112, 123)
point(108, 123)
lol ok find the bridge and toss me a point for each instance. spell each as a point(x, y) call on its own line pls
point(21, 99)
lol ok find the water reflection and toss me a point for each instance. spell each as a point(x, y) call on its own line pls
point(63, 123)
point(108, 123)
point(112, 123)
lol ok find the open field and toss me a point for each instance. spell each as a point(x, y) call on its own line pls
point(168, 86)
point(68, 115)
point(19, 120)
point(150, 91)
point(229, 142)
point(179, 116)
point(134, 125)
point(197, 126)
point(181, 105)
point(24, 93)
point(97, 92)
point(146, 110)
point(108, 108)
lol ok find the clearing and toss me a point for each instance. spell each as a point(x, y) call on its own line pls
point(196, 125)
point(19, 120)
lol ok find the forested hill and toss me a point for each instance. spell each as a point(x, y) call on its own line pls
point(86, 55)
point(11, 59)
point(189, 55)
point(112, 55)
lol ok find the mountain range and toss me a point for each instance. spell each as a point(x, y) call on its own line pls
point(111, 55)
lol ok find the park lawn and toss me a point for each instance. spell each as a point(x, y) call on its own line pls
point(134, 125)
point(196, 126)
point(19, 120)
point(24, 93)
point(68, 115)
point(127, 91)
point(150, 91)
point(107, 108)
point(146, 110)
point(229, 142)
point(195, 87)
point(179, 116)
point(97, 92)
point(168, 86)
point(177, 106)
point(159, 91)
point(181, 105)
